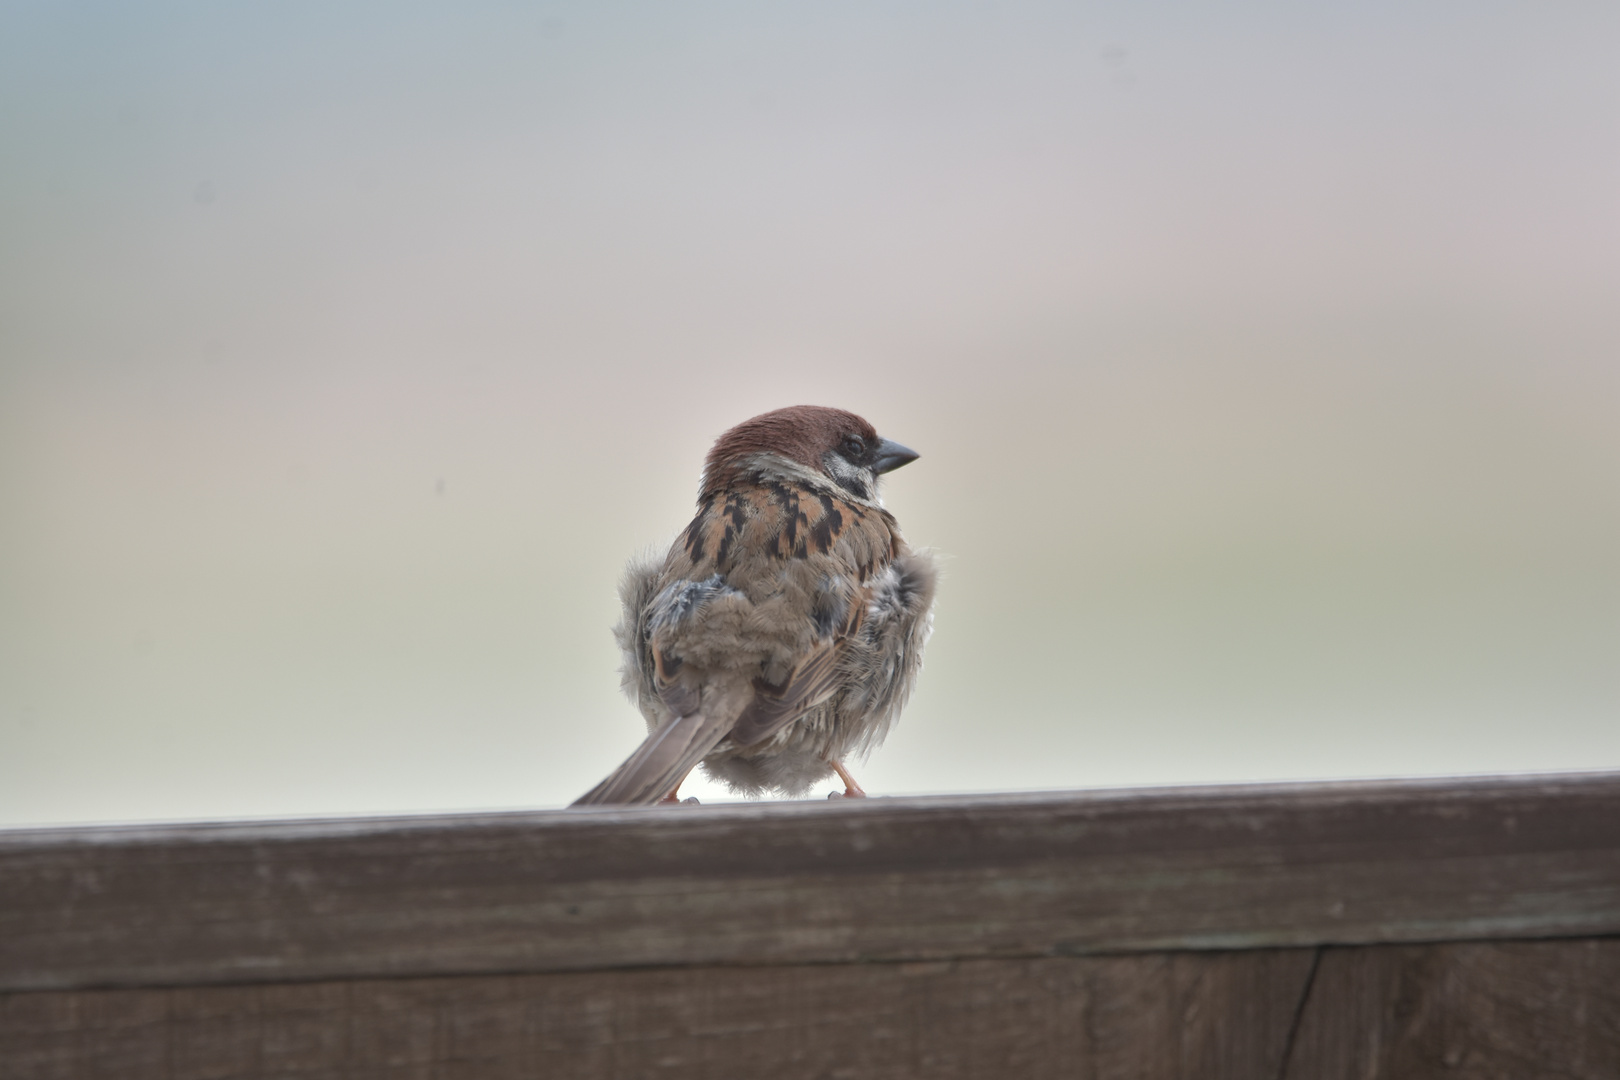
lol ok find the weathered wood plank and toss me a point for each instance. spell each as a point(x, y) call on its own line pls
point(1474, 1011)
point(882, 879)
point(1189, 1015)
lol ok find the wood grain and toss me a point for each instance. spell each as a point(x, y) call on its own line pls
point(1203, 1015)
point(778, 884)
point(1472, 1011)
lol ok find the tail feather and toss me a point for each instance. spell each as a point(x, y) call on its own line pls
point(660, 763)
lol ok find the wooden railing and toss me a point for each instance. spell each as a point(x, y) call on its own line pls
point(1395, 929)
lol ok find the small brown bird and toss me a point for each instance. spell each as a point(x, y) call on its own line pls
point(785, 628)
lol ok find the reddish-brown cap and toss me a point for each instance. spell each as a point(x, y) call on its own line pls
point(802, 433)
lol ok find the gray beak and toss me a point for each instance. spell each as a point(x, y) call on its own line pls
point(891, 455)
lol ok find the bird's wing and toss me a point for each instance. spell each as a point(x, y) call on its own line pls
point(774, 707)
point(843, 546)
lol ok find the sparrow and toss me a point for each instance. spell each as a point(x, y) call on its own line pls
point(784, 630)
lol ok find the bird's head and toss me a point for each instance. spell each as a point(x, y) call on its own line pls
point(836, 444)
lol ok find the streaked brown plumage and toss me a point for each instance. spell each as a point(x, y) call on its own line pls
point(783, 631)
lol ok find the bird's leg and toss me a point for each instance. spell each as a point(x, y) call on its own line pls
point(674, 796)
point(852, 790)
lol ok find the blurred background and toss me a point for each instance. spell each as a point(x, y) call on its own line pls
point(1264, 361)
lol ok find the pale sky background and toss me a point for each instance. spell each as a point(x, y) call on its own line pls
point(1264, 360)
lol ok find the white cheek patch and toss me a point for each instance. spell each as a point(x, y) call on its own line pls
point(860, 482)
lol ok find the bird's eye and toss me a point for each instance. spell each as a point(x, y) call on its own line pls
point(853, 447)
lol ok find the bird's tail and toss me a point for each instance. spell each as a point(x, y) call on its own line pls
point(660, 763)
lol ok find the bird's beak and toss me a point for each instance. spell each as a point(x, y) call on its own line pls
point(891, 455)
